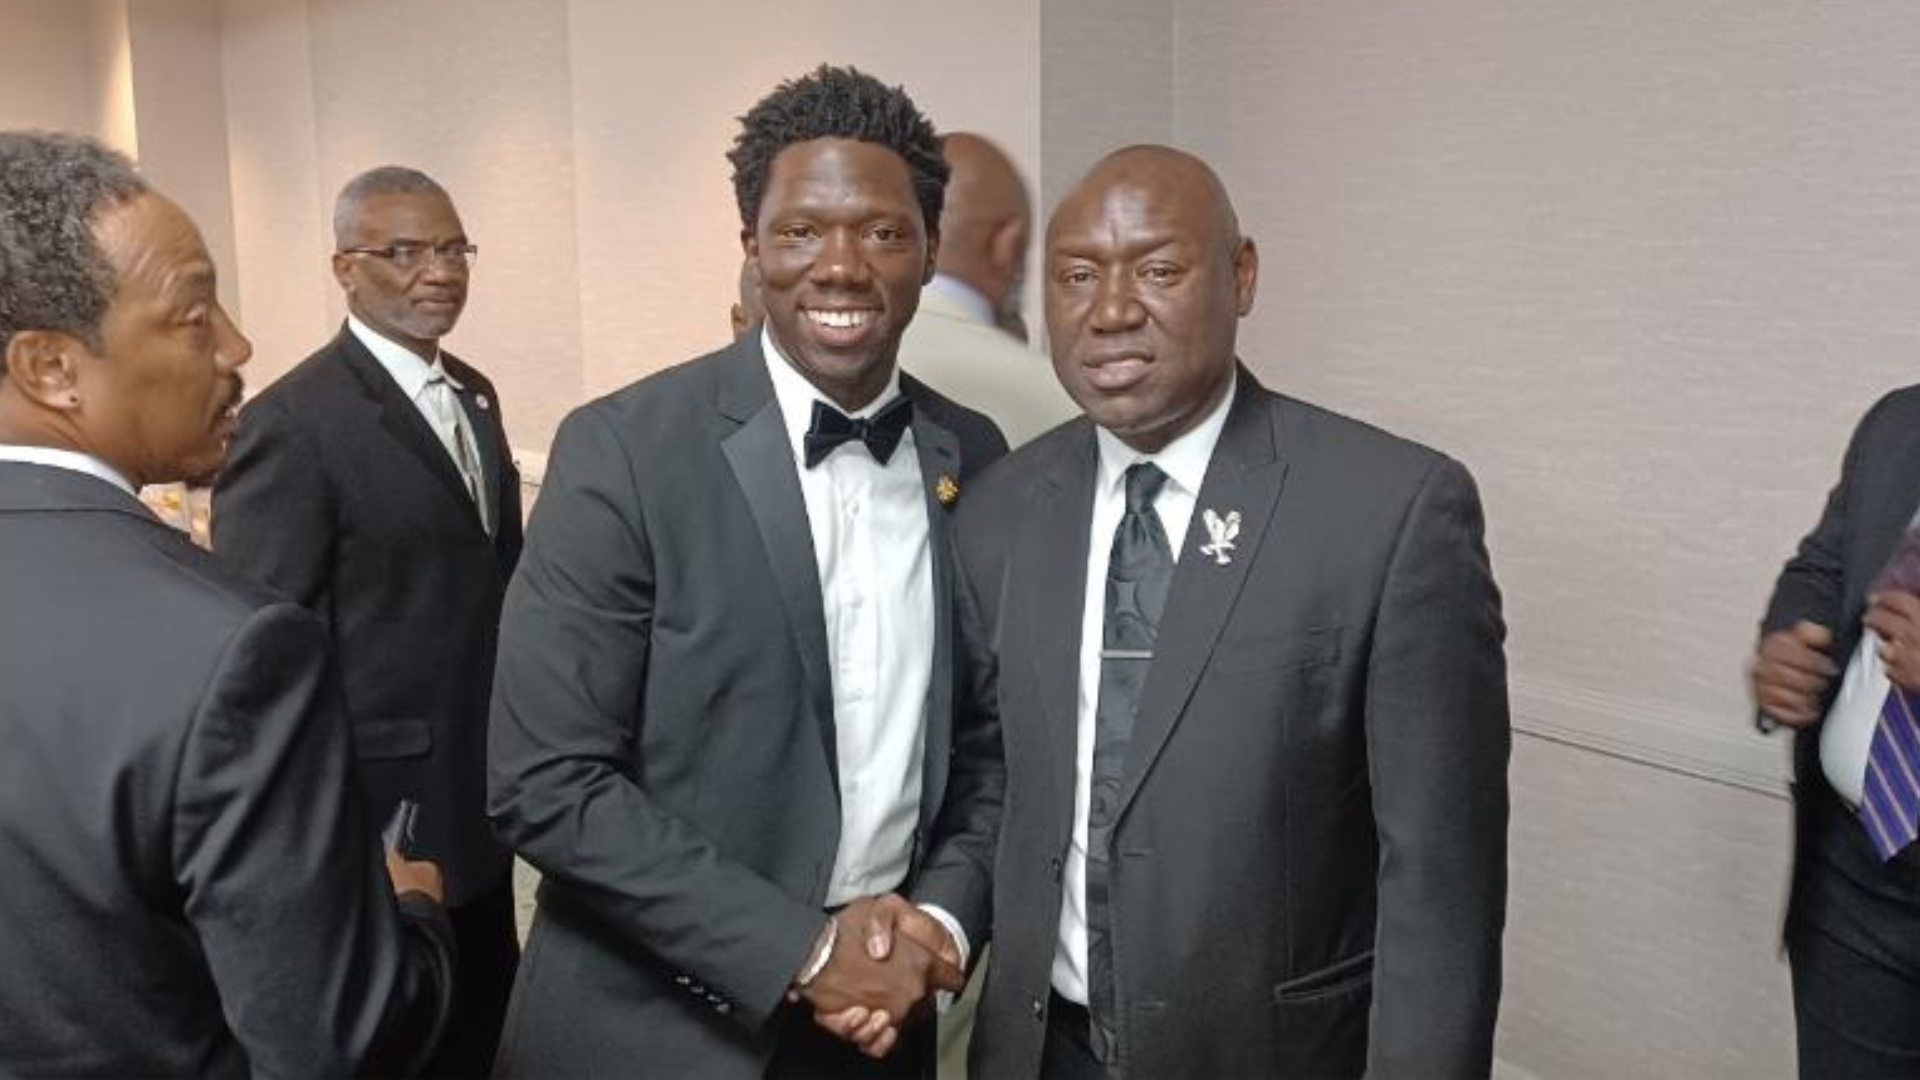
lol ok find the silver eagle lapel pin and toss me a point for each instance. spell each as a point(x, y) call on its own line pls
point(1220, 534)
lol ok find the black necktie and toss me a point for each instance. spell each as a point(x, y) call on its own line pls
point(1139, 574)
point(881, 431)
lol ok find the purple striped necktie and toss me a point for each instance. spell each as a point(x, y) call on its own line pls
point(1890, 803)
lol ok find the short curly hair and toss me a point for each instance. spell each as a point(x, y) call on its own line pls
point(836, 103)
point(53, 274)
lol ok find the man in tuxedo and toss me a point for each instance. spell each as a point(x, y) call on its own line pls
point(1245, 657)
point(958, 342)
point(1839, 661)
point(374, 485)
point(192, 883)
point(722, 717)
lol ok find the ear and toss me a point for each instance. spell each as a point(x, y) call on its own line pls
point(1007, 247)
point(44, 365)
point(1246, 274)
point(343, 271)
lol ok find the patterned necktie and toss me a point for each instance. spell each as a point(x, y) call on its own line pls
point(881, 432)
point(1890, 802)
point(456, 436)
point(1139, 574)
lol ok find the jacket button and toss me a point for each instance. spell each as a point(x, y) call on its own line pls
point(1054, 866)
point(1039, 1009)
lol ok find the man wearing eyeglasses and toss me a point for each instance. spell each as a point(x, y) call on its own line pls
point(373, 484)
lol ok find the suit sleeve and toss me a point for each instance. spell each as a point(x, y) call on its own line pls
point(273, 515)
point(318, 971)
point(1811, 586)
point(958, 872)
point(1437, 745)
point(568, 688)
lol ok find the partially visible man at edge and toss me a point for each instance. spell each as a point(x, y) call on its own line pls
point(193, 885)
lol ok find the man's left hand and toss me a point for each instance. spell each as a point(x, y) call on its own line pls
point(1895, 618)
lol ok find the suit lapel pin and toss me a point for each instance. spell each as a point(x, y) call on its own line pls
point(946, 489)
point(481, 401)
point(1220, 531)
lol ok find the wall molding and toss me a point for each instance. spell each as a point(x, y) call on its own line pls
point(1706, 746)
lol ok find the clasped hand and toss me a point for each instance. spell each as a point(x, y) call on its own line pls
point(888, 960)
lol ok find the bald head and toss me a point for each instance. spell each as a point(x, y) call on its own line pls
point(1159, 176)
point(1147, 279)
point(987, 220)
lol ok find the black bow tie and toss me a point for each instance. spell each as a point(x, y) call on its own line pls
point(881, 431)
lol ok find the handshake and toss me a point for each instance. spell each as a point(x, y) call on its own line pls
point(884, 961)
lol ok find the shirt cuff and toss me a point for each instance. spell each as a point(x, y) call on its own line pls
point(822, 955)
point(943, 999)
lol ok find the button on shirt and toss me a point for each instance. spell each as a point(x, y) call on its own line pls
point(871, 544)
point(1184, 460)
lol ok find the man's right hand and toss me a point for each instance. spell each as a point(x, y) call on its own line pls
point(420, 876)
point(882, 993)
point(1791, 670)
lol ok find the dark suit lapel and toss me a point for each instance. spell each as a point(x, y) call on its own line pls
point(401, 419)
point(1050, 602)
point(1246, 474)
point(761, 457)
point(939, 453)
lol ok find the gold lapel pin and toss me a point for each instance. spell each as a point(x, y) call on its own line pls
point(947, 489)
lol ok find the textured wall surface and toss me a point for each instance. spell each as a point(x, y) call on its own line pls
point(655, 107)
point(1640, 265)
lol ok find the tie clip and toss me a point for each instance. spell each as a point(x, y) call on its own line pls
point(1126, 654)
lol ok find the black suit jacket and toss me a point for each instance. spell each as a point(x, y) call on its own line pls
point(1826, 582)
point(1310, 860)
point(191, 884)
point(663, 744)
point(338, 494)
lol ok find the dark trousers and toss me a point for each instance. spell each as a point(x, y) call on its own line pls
point(489, 956)
point(1067, 1053)
point(805, 1051)
point(1854, 947)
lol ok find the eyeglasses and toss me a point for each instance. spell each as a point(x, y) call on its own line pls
point(408, 255)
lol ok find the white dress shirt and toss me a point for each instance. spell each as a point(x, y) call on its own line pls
point(414, 376)
point(71, 460)
point(872, 544)
point(1846, 735)
point(1184, 460)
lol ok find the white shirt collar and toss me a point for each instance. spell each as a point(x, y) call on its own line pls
point(959, 297)
point(796, 395)
point(1184, 460)
point(406, 367)
point(71, 460)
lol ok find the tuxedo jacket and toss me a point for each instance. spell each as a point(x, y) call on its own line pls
point(663, 741)
point(192, 887)
point(338, 494)
point(1826, 582)
point(1308, 871)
